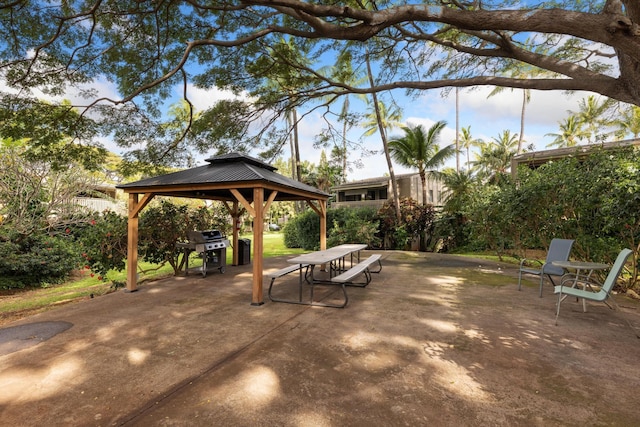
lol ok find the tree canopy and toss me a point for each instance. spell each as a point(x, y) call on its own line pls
point(148, 48)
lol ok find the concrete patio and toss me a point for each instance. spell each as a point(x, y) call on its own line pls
point(433, 340)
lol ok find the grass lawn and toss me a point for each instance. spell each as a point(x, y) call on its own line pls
point(17, 303)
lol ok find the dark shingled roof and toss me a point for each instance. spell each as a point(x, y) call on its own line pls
point(233, 170)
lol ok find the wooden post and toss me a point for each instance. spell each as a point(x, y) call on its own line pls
point(235, 214)
point(258, 226)
point(323, 224)
point(132, 244)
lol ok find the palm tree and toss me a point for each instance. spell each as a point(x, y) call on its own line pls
point(467, 141)
point(459, 187)
point(419, 149)
point(570, 132)
point(630, 122)
point(389, 118)
point(343, 72)
point(526, 98)
point(289, 83)
point(383, 121)
point(494, 160)
point(591, 114)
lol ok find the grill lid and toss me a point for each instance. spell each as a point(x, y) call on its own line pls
point(204, 236)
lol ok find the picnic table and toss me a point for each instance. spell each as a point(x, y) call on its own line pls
point(336, 259)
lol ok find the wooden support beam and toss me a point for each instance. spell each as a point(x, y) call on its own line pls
point(315, 208)
point(258, 228)
point(272, 196)
point(132, 241)
point(235, 213)
point(139, 205)
point(323, 224)
point(244, 201)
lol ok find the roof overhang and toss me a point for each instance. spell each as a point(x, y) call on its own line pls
point(535, 159)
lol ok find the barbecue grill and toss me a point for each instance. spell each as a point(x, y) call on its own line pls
point(211, 245)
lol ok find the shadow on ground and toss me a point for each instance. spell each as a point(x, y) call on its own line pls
point(433, 340)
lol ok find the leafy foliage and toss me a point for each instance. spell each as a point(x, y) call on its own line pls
point(104, 243)
point(343, 226)
point(592, 198)
point(275, 55)
point(35, 260)
point(354, 226)
point(51, 133)
point(416, 220)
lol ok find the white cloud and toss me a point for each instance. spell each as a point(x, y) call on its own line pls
point(203, 99)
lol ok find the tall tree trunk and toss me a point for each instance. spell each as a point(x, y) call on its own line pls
point(423, 181)
point(292, 147)
point(344, 152)
point(297, 145)
point(524, 107)
point(457, 130)
point(294, 113)
point(383, 135)
point(296, 173)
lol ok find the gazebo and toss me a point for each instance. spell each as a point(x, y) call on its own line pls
point(239, 181)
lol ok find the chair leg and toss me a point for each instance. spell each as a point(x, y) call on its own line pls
point(541, 283)
point(520, 280)
point(558, 306)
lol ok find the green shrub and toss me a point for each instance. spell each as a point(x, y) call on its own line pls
point(344, 225)
point(416, 222)
point(36, 260)
point(353, 226)
point(103, 241)
point(291, 235)
point(308, 225)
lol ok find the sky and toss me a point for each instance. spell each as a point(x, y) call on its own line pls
point(487, 116)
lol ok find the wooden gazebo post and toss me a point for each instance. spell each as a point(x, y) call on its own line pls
point(135, 207)
point(132, 244)
point(258, 228)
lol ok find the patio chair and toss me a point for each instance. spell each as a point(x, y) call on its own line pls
point(602, 295)
point(559, 250)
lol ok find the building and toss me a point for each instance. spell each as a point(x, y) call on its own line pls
point(101, 197)
point(374, 192)
point(535, 159)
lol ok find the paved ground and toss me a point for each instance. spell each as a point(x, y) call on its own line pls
point(434, 340)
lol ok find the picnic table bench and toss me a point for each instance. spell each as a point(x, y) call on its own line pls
point(360, 268)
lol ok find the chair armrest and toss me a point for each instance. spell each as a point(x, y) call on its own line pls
point(575, 279)
point(530, 261)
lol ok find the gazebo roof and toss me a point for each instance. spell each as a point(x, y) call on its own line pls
point(214, 181)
